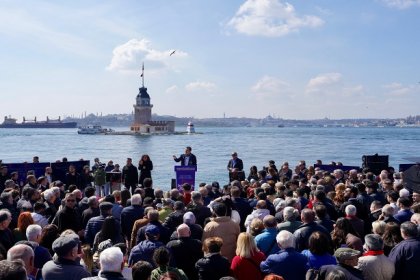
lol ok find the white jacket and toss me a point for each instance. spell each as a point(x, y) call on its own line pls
point(376, 267)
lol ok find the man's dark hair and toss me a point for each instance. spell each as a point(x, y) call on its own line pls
point(318, 243)
point(219, 209)
point(320, 195)
point(141, 270)
point(320, 211)
point(393, 195)
point(161, 256)
point(360, 187)
point(12, 270)
point(89, 191)
point(186, 187)
point(235, 191)
point(405, 201)
point(109, 198)
point(147, 183)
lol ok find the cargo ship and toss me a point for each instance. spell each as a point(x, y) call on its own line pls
point(49, 123)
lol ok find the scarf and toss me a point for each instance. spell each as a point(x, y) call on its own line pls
point(373, 253)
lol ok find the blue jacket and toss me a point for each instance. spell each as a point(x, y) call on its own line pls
point(144, 252)
point(128, 216)
point(288, 263)
point(406, 256)
point(403, 215)
point(266, 241)
point(316, 261)
point(94, 226)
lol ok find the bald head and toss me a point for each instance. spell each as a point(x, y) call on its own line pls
point(261, 204)
point(183, 231)
point(22, 252)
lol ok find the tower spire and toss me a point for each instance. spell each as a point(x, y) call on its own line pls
point(142, 75)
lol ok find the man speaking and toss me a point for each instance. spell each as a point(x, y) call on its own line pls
point(187, 159)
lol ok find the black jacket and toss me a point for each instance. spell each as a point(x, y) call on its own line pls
point(212, 267)
point(130, 175)
point(192, 161)
point(304, 231)
point(145, 170)
point(184, 261)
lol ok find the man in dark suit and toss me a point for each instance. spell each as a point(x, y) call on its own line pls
point(187, 159)
point(235, 167)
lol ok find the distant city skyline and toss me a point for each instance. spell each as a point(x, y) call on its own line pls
point(241, 58)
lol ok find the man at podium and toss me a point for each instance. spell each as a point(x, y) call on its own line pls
point(187, 159)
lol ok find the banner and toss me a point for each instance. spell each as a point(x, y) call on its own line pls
point(59, 169)
point(23, 168)
point(185, 174)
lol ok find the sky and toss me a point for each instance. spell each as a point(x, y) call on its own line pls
point(238, 58)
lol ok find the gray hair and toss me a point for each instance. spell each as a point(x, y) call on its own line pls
point(33, 231)
point(92, 200)
point(136, 199)
point(111, 259)
point(409, 229)
point(290, 213)
point(374, 242)
point(48, 194)
point(387, 210)
point(351, 210)
point(285, 239)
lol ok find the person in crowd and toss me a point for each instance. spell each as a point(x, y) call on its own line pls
point(95, 224)
point(266, 240)
point(195, 229)
point(6, 235)
point(378, 227)
point(319, 250)
point(288, 263)
point(41, 254)
point(256, 227)
point(406, 254)
point(91, 211)
point(143, 251)
point(141, 270)
point(145, 167)
point(374, 264)
point(246, 263)
point(260, 212)
point(73, 177)
point(213, 265)
point(153, 219)
point(25, 219)
point(69, 217)
point(224, 227)
point(347, 261)
point(388, 215)
point(344, 235)
point(404, 214)
point(241, 205)
point(290, 214)
point(24, 253)
point(167, 208)
point(308, 226)
point(99, 179)
point(38, 214)
point(130, 175)
point(112, 263)
point(86, 178)
point(66, 266)
point(358, 224)
point(186, 159)
point(197, 207)
point(161, 257)
point(12, 270)
point(392, 237)
point(130, 214)
point(253, 173)
point(185, 243)
point(107, 232)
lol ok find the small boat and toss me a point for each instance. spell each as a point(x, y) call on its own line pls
point(190, 128)
point(93, 129)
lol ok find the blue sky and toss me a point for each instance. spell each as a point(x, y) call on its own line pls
point(295, 59)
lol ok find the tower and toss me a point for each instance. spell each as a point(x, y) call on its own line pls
point(142, 108)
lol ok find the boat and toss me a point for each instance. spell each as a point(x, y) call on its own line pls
point(10, 122)
point(93, 129)
point(190, 128)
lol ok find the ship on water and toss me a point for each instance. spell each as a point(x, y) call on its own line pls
point(10, 122)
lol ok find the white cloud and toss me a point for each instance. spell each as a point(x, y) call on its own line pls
point(270, 85)
point(401, 4)
point(128, 56)
point(399, 90)
point(271, 18)
point(200, 86)
point(323, 80)
point(172, 89)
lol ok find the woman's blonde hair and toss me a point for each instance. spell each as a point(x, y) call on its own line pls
point(245, 245)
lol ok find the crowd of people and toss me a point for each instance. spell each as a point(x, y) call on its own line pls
point(305, 223)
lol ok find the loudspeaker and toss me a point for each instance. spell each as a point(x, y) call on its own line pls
point(375, 163)
point(173, 183)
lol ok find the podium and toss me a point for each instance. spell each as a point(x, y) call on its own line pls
point(185, 174)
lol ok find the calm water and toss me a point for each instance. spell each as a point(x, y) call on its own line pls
point(255, 146)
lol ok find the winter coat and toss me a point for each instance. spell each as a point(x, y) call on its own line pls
point(376, 267)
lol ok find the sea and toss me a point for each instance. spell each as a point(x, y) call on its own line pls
point(213, 147)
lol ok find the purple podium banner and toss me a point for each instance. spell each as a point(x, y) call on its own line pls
point(185, 174)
